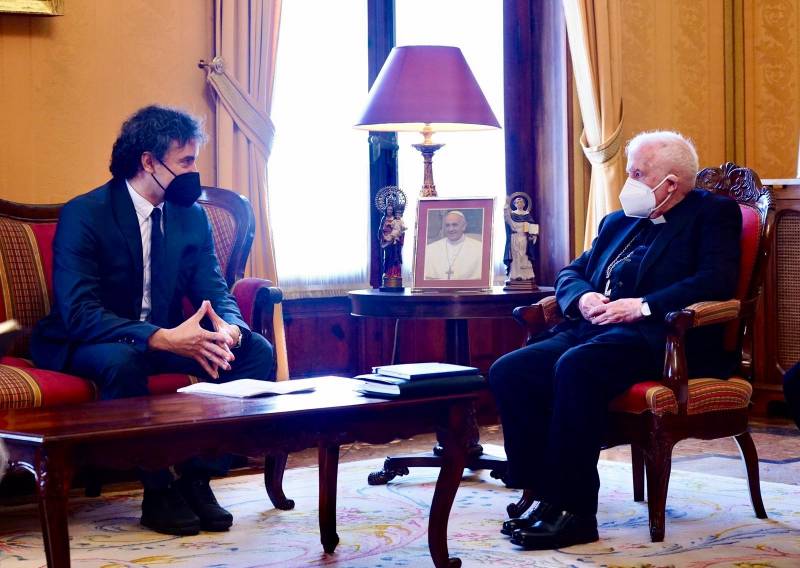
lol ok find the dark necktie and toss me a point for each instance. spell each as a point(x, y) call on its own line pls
point(158, 297)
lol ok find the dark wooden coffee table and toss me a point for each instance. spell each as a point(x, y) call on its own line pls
point(153, 432)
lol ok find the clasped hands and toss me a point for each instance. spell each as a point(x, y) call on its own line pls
point(600, 310)
point(211, 349)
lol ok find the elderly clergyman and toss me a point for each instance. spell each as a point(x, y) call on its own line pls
point(456, 256)
point(670, 246)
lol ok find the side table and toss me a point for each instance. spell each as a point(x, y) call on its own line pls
point(456, 308)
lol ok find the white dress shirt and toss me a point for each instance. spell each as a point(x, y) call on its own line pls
point(143, 211)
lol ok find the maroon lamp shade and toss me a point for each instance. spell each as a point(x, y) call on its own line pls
point(426, 87)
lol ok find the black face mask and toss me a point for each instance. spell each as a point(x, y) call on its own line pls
point(183, 190)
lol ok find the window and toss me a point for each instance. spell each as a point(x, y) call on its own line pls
point(319, 167)
point(318, 171)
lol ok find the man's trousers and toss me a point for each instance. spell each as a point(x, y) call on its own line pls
point(553, 398)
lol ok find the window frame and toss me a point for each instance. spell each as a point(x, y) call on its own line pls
point(539, 155)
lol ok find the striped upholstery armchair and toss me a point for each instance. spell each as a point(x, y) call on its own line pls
point(26, 284)
point(653, 416)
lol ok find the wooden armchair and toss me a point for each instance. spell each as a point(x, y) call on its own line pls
point(653, 416)
point(26, 237)
point(26, 292)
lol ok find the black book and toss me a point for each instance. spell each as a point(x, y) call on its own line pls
point(430, 387)
point(376, 378)
point(415, 371)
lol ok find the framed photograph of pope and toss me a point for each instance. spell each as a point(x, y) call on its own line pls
point(453, 248)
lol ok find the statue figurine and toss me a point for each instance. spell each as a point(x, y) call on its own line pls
point(521, 235)
point(391, 202)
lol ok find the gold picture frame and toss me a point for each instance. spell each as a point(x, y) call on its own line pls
point(33, 7)
point(470, 266)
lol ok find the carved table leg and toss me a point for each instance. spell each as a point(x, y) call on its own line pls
point(274, 466)
point(453, 460)
point(456, 333)
point(328, 471)
point(52, 481)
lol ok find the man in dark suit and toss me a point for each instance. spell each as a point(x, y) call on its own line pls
point(671, 246)
point(124, 257)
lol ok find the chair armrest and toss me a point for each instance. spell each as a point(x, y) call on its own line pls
point(257, 298)
point(538, 317)
point(676, 373)
point(710, 313)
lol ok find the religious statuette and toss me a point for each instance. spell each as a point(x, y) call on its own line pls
point(521, 235)
point(391, 201)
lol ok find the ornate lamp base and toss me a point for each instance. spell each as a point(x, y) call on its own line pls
point(392, 284)
point(427, 150)
point(521, 285)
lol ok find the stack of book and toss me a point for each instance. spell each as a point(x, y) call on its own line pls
point(420, 379)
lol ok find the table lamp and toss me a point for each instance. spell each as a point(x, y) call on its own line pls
point(426, 88)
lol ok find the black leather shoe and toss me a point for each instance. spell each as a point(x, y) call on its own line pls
point(541, 512)
point(200, 498)
point(165, 511)
point(566, 530)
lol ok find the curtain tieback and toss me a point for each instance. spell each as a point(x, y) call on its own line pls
point(603, 152)
point(249, 118)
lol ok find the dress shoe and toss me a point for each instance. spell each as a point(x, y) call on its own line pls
point(541, 512)
point(198, 495)
point(566, 530)
point(165, 511)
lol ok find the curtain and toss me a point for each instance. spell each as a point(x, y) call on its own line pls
point(594, 41)
point(241, 77)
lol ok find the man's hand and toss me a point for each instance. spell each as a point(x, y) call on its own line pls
point(232, 333)
point(590, 301)
point(208, 348)
point(624, 310)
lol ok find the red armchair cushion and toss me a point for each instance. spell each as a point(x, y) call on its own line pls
point(705, 395)
point(17, 362)
point(31, 387)
point(169, 383)
point(27, 386)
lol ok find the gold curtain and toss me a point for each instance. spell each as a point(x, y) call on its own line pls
point(242, 76)
point(594, 41)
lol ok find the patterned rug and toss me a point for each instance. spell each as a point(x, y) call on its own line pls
point(709, 524)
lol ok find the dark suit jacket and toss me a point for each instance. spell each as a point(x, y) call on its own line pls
point(98, 270)
point(695, 257)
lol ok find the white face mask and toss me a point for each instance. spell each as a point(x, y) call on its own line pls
point(638, 200)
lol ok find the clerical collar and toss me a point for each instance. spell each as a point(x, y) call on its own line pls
point(675, 209)
point(458, 242)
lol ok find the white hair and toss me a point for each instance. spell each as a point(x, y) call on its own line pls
point(673, 148)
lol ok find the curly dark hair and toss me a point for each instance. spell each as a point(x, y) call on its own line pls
point(151, 129)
